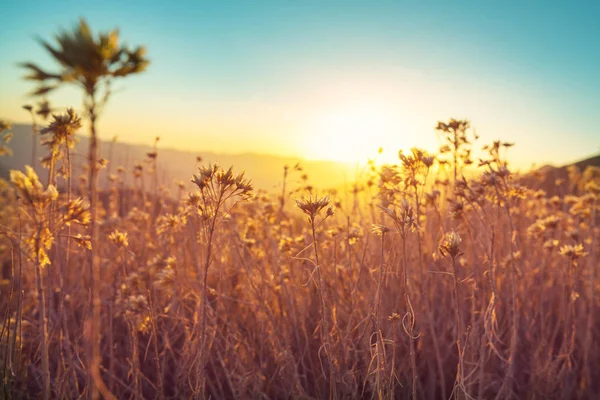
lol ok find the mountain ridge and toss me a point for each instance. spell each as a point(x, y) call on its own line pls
point(265, 170)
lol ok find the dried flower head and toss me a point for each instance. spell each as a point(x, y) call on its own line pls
point(61, 129)
point(119, 239)
point(573, 252)
point(77, 211)
point(394, 317)
point(450, 245)
point(83, 241)
point(4, 125)
point(214, 181)
point(312, 205)
point(31, 188)
point(380, 230)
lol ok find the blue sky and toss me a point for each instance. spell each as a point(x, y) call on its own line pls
point(299, 77)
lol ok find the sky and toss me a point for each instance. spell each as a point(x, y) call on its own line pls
point(332, 79)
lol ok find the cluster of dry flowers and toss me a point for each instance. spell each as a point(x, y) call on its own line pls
point(427, 282)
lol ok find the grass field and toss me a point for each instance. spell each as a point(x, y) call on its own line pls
point(418, 281)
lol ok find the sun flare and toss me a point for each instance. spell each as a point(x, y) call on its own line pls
point(354, 134)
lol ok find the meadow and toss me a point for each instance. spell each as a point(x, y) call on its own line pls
point(418, 281)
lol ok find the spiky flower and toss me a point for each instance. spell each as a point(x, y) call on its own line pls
point(4, 125)
point(573, 252)
point(86, 59)
point(31, 188)
point(119, 239)
point(404, 221)
point(44, 110)
point(450, 245)
point(77, 211)
point(394, 317)
point(312, 205)
point(380, 230)
point(165, 278)
point(170, 222)
point(62, 128)
point(216, 182)
point(5, 150)
point(83, 241)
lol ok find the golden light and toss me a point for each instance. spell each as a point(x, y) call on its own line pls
point(355, 134)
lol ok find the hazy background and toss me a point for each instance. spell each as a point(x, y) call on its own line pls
point(333, 79)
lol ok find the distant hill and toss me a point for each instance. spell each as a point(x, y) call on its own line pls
point(592, 161)
point(555, 180)
point(265, 171)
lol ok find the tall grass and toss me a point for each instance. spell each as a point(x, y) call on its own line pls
point(205, 299)
point(423, 283)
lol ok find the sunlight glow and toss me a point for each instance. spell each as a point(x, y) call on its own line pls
point(355, 134)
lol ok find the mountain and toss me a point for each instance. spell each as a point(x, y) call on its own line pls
point(265, 171)
point(555, 180)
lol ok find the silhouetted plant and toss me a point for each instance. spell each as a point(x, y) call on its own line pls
point(90, 63)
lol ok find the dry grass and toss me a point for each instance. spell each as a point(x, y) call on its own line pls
point(420, 287)
point(421, 284)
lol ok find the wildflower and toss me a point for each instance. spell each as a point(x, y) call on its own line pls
point(449, 247)
point(136, 304)
point(4, 125)
point(119, 238)
point(444, 149)
point(536, 230)
point(137, 216)
point(550, 244)
point(456, 209)
point(428, 161)
point(165, 278)
point(5, 151)
point(431, 197)
point(550, 222)
point(193, 199)
point(380, 230)
point(404, 221)
point(354, 234)
point(311, 206)
point(170, 222)
point(77, 211)
point(394, 317)
point(32, 189)
point(573, 233)
point(517, 191)
point(44, 109)
point(38, 246)
point(62, 128)
point(330, 211)
point(83, 241)
point(555, 201)
point(573, 252)
point(286, 244)
point(227, 185)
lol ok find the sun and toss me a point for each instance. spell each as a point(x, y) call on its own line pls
point(353, 134)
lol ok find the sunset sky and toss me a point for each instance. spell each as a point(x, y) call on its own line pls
point(333, 79)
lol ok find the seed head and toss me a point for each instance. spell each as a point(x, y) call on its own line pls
point(119, 239)
point(380, 230)
point(449, 247)
point(312, 205)
point(394, 317)
point(573, 252)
